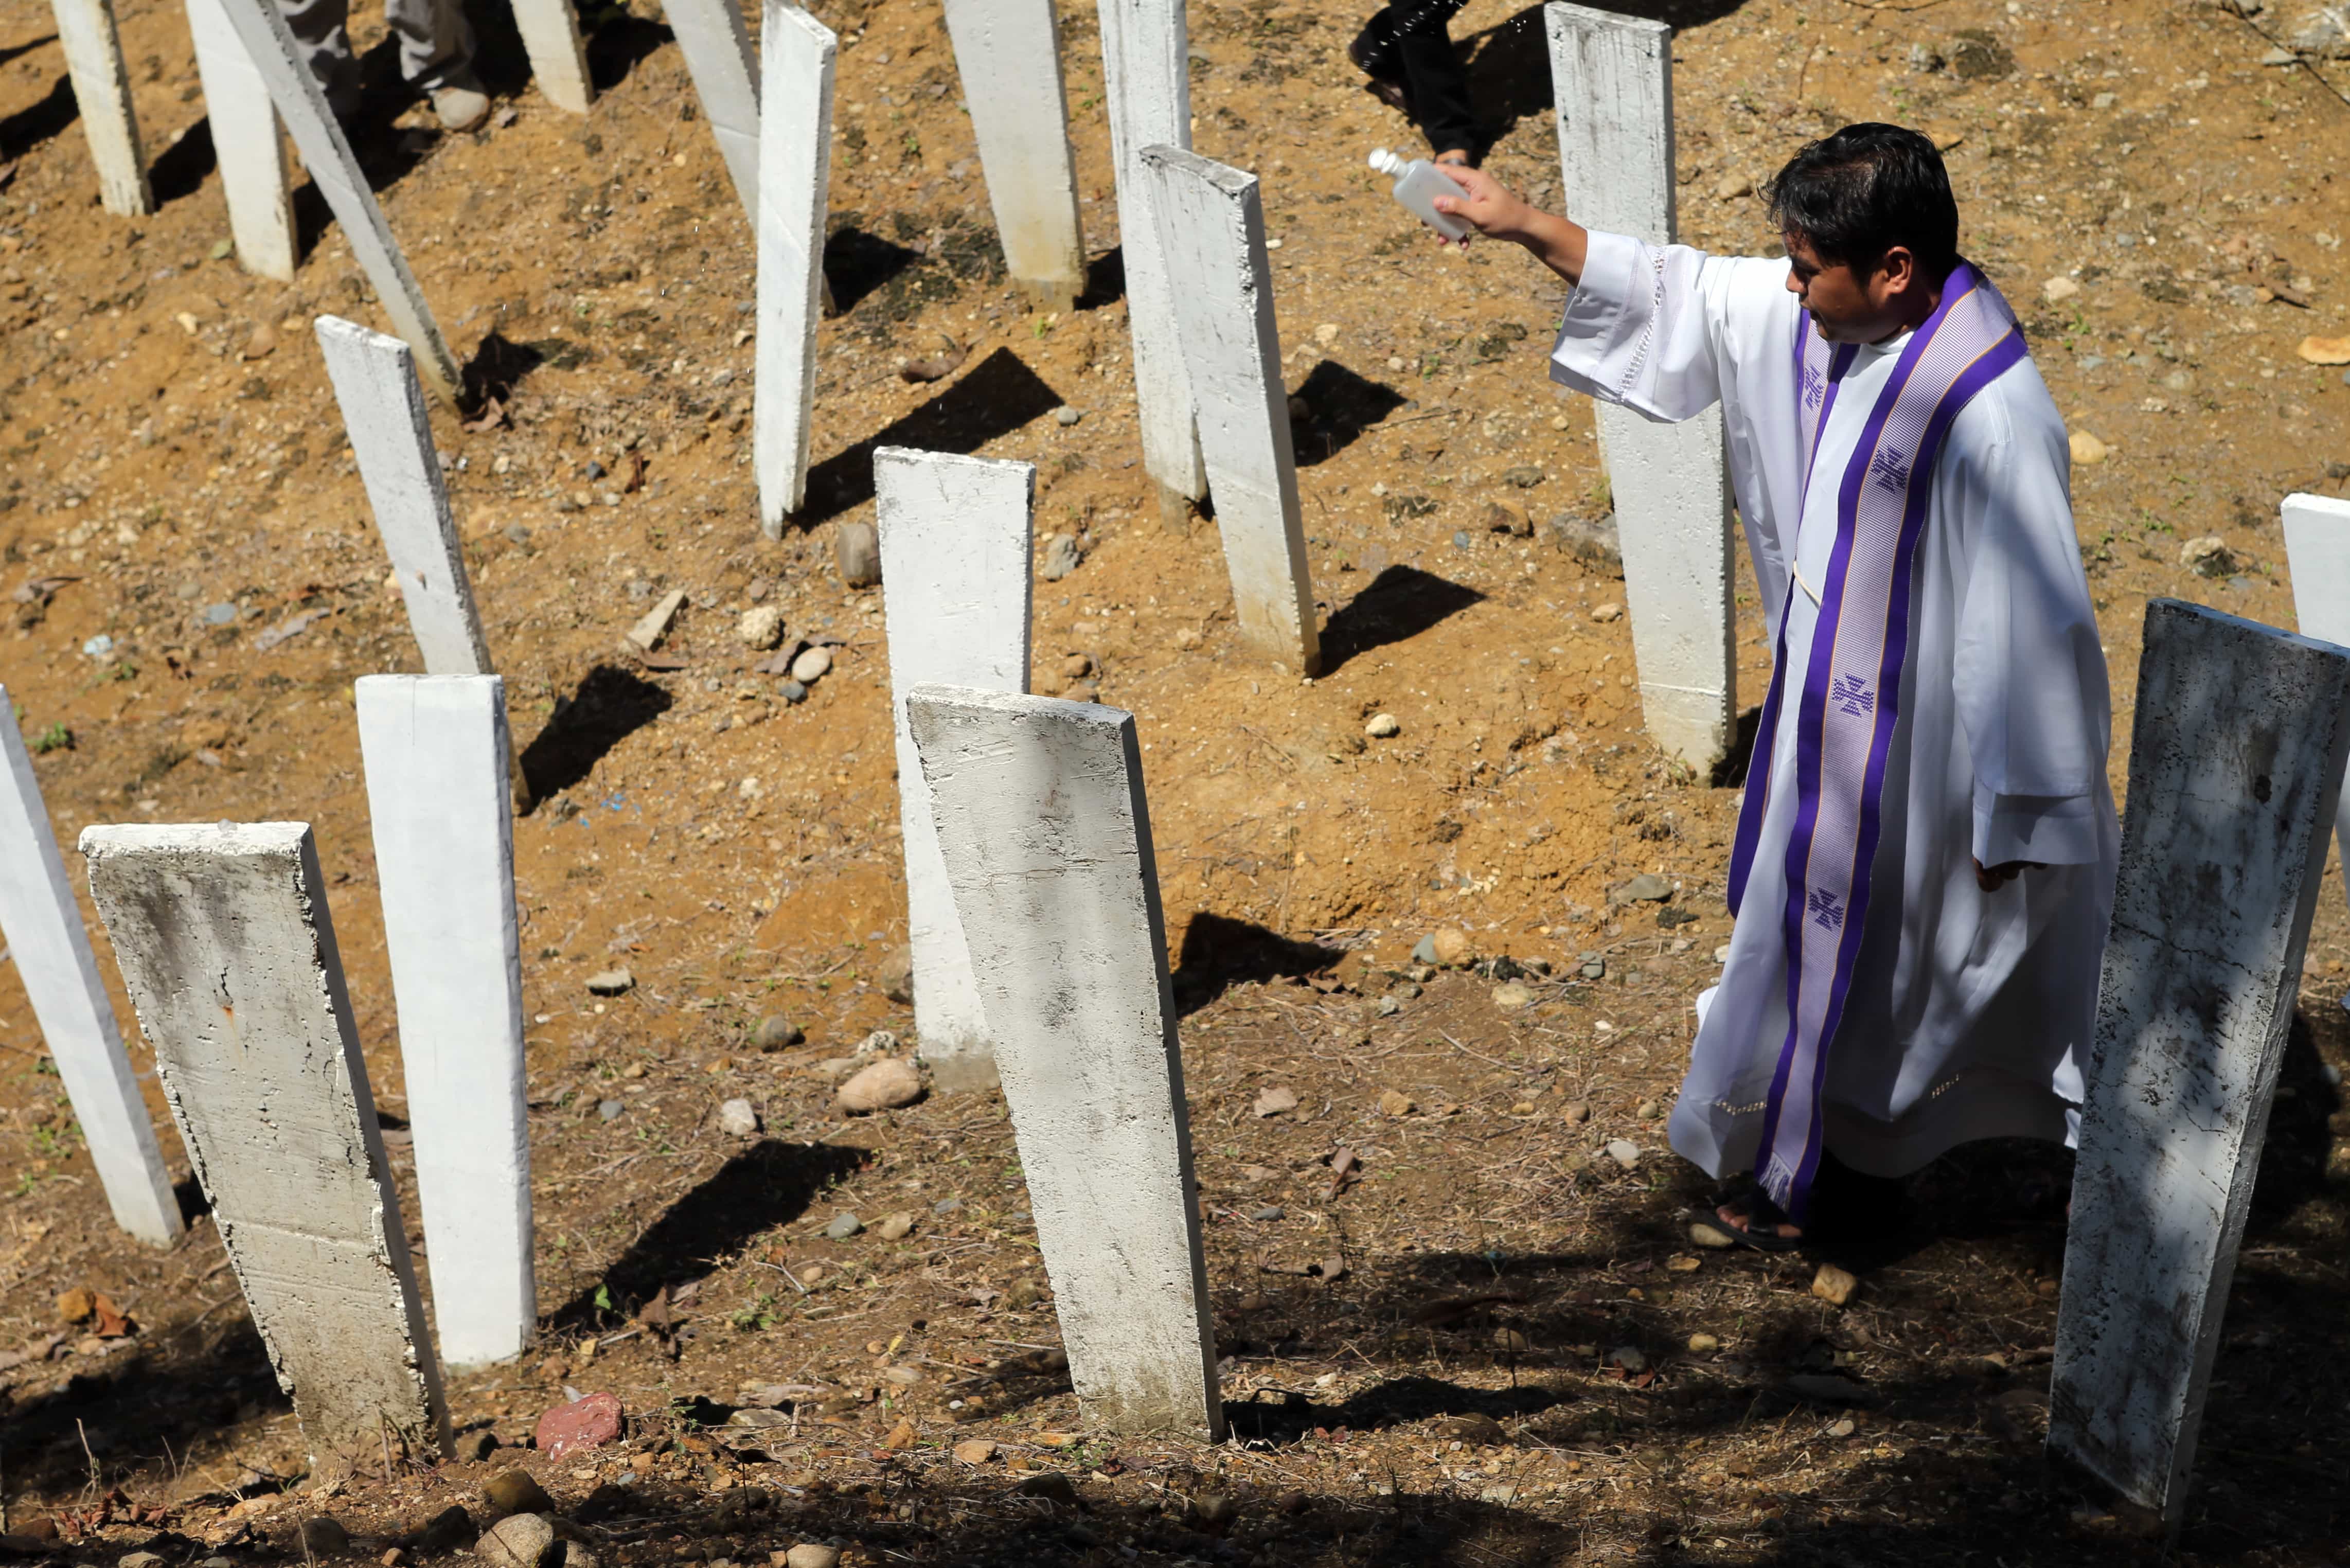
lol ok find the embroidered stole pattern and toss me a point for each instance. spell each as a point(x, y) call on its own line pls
point(1849, 705)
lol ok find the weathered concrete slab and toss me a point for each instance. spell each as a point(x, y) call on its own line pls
point(2317, 554)
point(326, 157)
point(1046, 838)
point(796, 175)
point(255, 178)
point(1212, 238)
point(2235, 771)
point(1008, 54)
point(101, 85)
point(1147, 79)
point(1612, 79)
point(559, 60)
point(391, 438)
point(717, 49)
point(956, 541)
point(42, 926)
point(229, 953)
point(436, 752)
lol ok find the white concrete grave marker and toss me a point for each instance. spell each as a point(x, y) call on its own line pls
point(227, 948)
point(2235, 771)
point(435, 751)
point(1008, 54)
point(559, 58)
point(1612, 78)
point(326, 156)
point(1212, 234)
point(717, 49)
point(42, 926)
point(391, 437)
point(101, 86)
point(795, 169)
point(2317, 555)
point(1147, 79)
point(256, 176)
point(956, 537)
point(1047, 838)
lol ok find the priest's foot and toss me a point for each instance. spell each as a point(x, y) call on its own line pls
point(1753, 1222)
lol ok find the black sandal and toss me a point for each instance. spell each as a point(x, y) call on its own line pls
point(1761, 1229)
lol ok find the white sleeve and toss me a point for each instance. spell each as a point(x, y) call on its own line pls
point(2030, 672)
point(1644, 328)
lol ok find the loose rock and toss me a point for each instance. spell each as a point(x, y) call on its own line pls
point(1646, 888)
point(856, 551)
point(761, 628)
point(812, 665)
point(1062, 556)
point(896, 1227)
point(1833, 1285)
point(588, 1423)
point(514, 1491)
point(139, 1560)
point(1382, 727)
point(1066, 416)
point(1624, 1152)
point(1396, 1103)
point(611, 982)
point(977, 1451)
point(812, 1554)
point(1607, 612)
point(447, 1531)
point(324, 1537)
point(843, 1227)
point(776, 1034)
point(2208, 557)
point(895, 976)
point(2057, 288)
point(1712, 1236)
point(737, 1119)
point(1477, 1429)
point(472, 1448)
point(1703, 1344)
point(884, 1086)
point(2087, 450)
point(1513, 997)
point(2326, 350)
point(518, 1540)
point(1278, 1100)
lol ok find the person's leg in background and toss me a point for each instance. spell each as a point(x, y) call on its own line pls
point(1437, 83)
point(322, 28)
point(436, 58)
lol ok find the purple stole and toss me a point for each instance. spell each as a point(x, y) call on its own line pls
point(1850, 703)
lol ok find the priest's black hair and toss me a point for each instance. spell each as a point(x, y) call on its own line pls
point(1857, 194)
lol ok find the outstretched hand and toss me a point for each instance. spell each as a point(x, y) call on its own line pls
point(1493, 209)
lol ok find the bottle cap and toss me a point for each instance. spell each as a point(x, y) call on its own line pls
point(1385, 162)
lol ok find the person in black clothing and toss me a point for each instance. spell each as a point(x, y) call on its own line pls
point(1407, 52)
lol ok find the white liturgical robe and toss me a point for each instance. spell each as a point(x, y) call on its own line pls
point(1968, 1010)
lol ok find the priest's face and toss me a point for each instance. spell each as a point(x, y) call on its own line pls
point(1846, 306)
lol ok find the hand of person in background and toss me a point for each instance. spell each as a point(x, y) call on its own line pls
point(1491, 208)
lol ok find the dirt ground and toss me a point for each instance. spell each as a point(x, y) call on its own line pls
point(1488, 1344)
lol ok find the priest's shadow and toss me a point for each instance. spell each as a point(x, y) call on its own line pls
point(769, 1184)
point(857, 262)
point(1397, 606)
point(1508, 64)
point(995, 398)
point(26, 47)
point(610, 705)
point(36, 122)
point(1220, 953)
point(1340, 406)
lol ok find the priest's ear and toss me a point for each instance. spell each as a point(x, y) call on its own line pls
point(1896, 275)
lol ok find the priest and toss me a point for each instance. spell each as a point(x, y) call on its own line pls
point(1924, 863)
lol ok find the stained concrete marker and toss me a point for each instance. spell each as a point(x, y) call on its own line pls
point(1147, 79)
point(2317, 554)
point(717, 49)
point(1047, 838)
point(1212, 232)
point(228, 950)
point(559, 60)
point(2235, 772)
point(1612, 78)
point(435, 751)
point(1008, 54)
point(794, 167)
point(42, 926)
point(255, 178)
point(956, 537)
point(383, 410)
point(101, 88)
point(326, 156)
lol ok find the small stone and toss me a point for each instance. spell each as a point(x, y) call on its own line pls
point(1387, 1007)
point(1383, 727)
point(518, 1540)
point(447, 1531)
point(1713, 1236)
point(2087, 450)
point(884, 1086)
point(588, 1423)
point(1577, 1113)
point(1703, 1345)
point(1646, 888)
point(1269, 1213)
point(894, 977)
point(1066, 416)
point(1061, 557)
point(1607, 612)
point(1682, 1263)
point(843, 1227)
point(514, 1491)
point(977, 1451)
point(1506, 1338)
point(472, 1448)
point(1842, 1426)
point(261, 344)
point(1326, 334)
point(2179, 381)
point(1448, 948)
point(1721, 953)
point(792, 691)
point(1278, 1100)
point(812, 1554)
point(76, 1305)
point(1476, 1429)
point(1630, 1357)
point(1512, 997)
point(139, 1560)
point(610, 1109)
point(812, 665)
point(325, 1537)
point(2208, 557)
point(1833, 1285)
point(856, 551)
point(2057, 288)
point(775, 1034)
point(1647, 1111)
point(1396, 1103)
point(1052, 1486)
point(1624, 1152)
point(219, 614)
point(737, 1119)
point(896, 1227)
point(761, 628)
point(1730, 187)
point(611, 982)
point(2326, 350)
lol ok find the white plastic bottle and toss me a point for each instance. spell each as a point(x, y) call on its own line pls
point(1417, 185)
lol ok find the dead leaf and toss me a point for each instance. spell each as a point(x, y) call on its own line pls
point(1278, 1100)
point(1344, 1170)
point(112, 1322)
